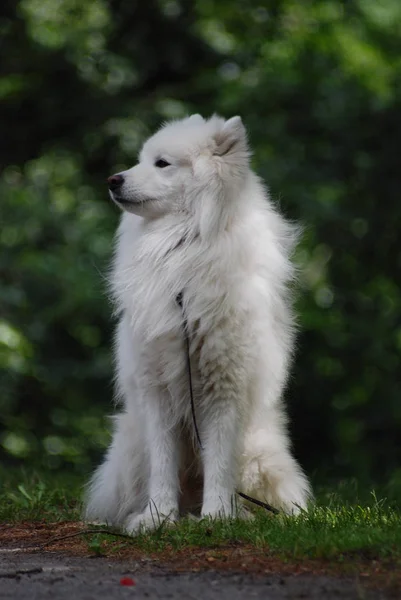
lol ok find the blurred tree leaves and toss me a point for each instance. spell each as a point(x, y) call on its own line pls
point(318, 85)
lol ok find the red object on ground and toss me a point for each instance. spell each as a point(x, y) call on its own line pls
point(127, 581)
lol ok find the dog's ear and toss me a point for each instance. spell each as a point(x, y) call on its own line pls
point(231, 137)
point(196, 117)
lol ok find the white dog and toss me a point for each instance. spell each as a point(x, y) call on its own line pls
point(198, 222)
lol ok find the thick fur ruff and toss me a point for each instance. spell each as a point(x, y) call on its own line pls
point(197, 220)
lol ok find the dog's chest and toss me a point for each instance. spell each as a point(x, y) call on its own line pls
point(146, 287)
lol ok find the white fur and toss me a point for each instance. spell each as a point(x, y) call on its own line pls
point(205, 226)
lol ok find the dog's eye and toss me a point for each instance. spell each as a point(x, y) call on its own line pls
point(161, 163)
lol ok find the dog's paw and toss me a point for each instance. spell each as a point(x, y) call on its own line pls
point(284, 486)
point(149, 520)
point(217, 510)
point(233, 510)
point(292, 494)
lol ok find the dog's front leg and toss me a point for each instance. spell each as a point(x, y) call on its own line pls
point(223, 390)
point(163, 448)
point(219, 431)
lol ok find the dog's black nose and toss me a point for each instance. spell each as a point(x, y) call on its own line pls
point(115, 181)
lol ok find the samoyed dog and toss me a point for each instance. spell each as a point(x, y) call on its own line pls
point(202, 258)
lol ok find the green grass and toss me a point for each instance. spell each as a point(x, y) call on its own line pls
point(323, 532)
point(342, 524)
point(27, 496)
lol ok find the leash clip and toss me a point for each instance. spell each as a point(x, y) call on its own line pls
point(178, 299)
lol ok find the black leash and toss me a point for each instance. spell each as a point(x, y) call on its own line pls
point(189, 370)
point(178, 299)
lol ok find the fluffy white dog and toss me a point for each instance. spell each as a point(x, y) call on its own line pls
point(198, 222)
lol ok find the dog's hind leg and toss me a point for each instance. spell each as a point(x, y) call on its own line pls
point(119, 485)
point(269, 471)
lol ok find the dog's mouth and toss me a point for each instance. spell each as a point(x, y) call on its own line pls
point(119, 199)
point(124, 201)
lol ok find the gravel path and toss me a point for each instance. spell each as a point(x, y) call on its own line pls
point(36, 576)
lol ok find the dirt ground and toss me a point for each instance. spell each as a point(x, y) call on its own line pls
point(41, 560)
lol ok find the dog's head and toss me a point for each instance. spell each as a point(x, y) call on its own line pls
point(184, 161)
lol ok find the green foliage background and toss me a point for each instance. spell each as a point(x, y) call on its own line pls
point(318, 84)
